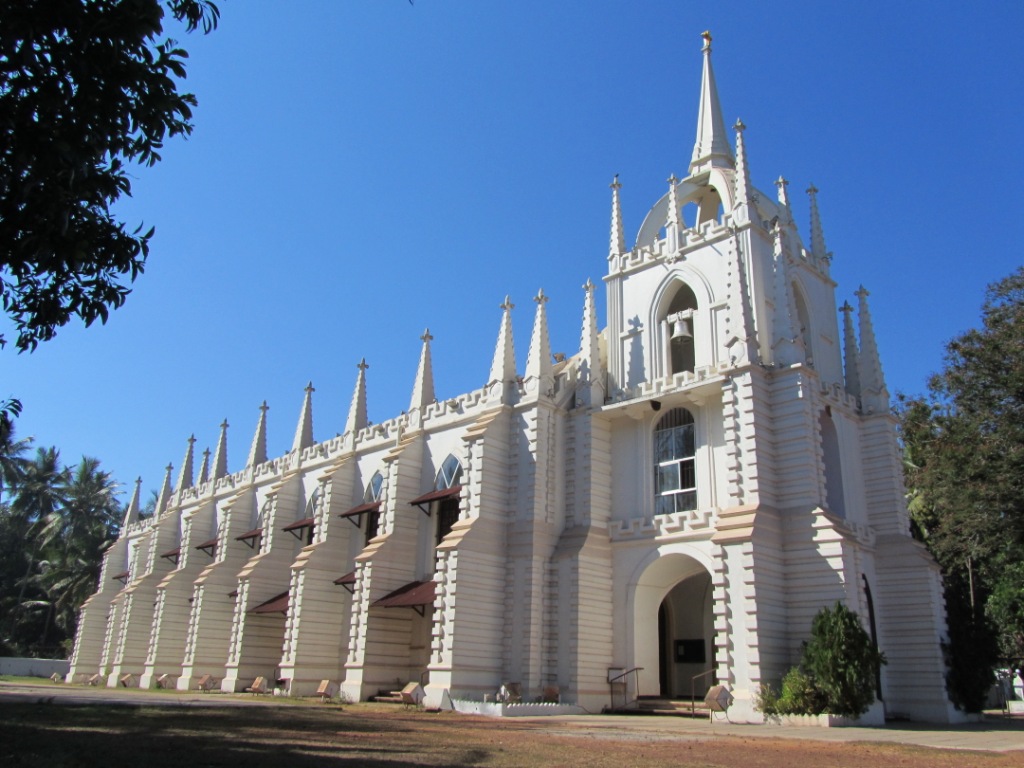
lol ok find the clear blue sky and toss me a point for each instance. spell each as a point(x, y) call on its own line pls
point(363, 169)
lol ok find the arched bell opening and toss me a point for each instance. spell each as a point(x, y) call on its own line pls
point(680, 330)
point(709, 206)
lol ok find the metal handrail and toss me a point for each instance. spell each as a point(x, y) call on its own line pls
point(634, 670)
point(693, 689)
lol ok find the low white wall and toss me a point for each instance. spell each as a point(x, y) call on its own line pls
point(500, 709)
point(20, 667)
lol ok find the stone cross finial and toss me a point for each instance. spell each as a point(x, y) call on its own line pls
point(540, 298)
point(782, 183)
point(362, 365)
point(426, 335)
point(508, 306)
point(706, 34)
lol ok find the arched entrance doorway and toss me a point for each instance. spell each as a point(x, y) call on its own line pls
point(673, 624)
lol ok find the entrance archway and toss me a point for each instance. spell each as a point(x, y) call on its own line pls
point(673, 625)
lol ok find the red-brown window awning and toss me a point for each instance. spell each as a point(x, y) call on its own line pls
point(426, 498)
point(355, 515)
point(296, 528)
point(277, 604)
point(209, 547)
point(172, 554)
point(415, 594)
point(250, 537)
point(122, 577)
point(347, 581)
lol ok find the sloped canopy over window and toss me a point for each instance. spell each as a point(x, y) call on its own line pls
point(347, 581)
point(172, 554)
point(209, 547)
point(276, 604)
point(251, 537)
point(362, 509)
point(444, 493)
point(415, 594)
point(448, 484)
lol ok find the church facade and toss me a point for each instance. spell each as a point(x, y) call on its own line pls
point(663, 511)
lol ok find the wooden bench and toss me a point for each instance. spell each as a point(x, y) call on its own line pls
point(207, 683)
point(324, 691)
point(259, 685)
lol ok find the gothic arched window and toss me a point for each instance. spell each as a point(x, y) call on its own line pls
point(449, 477)
point(804, 319)
point(675, 476)
point(835, 497)
point(371, 495)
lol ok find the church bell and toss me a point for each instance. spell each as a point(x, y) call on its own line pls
point(681, 330)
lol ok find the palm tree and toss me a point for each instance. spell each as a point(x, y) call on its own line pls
point(73, 538)
point(39, 494)
point(40, 491)
point(13, 463)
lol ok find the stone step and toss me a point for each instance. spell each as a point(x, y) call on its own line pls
point(671, 707)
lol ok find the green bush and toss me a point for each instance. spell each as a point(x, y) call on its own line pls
point(800, 695)
point(842, 661)
point(836, 675)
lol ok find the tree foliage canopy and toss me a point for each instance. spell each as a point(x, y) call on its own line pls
point(86, 88)
point(964, 467)
point(55, 524)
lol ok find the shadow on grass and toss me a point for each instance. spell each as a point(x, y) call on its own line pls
point(43, 734)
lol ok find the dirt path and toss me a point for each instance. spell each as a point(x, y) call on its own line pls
point(101, 727)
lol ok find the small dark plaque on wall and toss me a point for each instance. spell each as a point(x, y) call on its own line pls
point(690, 651)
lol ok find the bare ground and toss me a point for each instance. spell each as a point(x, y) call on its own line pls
point(154, 735)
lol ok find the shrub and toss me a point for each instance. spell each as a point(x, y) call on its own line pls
point(842, 661)
point(837, 673)
point(766, 700)
point(800, 695)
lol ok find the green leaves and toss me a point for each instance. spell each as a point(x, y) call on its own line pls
point(86, 88)
point(837, 673)
point(964, 470)
point(52, 538)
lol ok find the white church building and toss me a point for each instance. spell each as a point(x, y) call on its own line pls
point(668, 508)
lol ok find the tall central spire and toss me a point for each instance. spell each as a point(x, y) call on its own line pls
point(711, 149)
